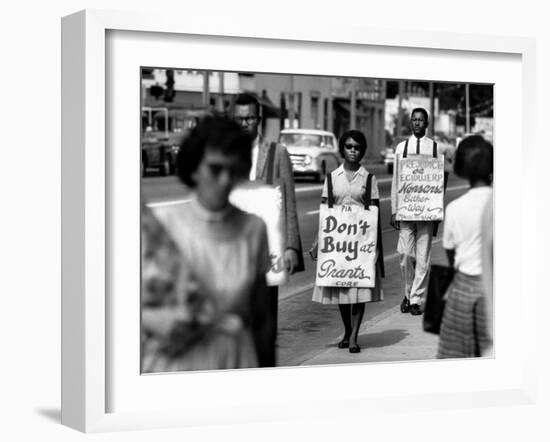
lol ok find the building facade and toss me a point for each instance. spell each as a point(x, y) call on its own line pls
point(172, 100)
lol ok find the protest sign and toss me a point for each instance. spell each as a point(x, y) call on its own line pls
point(347, 246)
point(420, 186)
point(265, 202)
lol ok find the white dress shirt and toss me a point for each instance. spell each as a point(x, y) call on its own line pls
point(255, 151)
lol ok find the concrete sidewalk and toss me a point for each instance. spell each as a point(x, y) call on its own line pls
point(391, 336)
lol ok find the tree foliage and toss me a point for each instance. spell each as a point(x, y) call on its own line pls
point(451, 96)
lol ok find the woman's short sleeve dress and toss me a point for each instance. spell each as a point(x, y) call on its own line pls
point(226, 253)
point(350, 192)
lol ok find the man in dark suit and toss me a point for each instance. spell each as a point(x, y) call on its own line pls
point(271, 165)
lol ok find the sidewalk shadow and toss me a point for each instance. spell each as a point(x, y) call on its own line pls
point(382, 339)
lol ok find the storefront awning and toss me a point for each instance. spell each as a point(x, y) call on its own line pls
point(345, 107)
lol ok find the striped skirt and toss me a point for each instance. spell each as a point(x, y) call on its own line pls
point(463, 331)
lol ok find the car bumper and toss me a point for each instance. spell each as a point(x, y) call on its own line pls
point(299, 166)
point(305, 170)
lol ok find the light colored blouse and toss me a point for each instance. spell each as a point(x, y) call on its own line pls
point(463, 229)
point(350, 192)
point(223, 255)
point(225, 250)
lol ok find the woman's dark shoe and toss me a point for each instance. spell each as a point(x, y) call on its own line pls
point(354, 349)
point(344, 343)
point(405, 305)
point(415, 310)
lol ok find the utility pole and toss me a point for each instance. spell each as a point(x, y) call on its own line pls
point(467, 108)
point(382, 111)
point(330, 117)
point(143, 98)
point(206, 90)
point(291, 103)
point(221, 100)
point(431, 126)
point(398, 128)
point(353, 105)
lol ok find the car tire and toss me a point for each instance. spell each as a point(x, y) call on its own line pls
point(172, 165)
point(165, 168)
point(143, 165)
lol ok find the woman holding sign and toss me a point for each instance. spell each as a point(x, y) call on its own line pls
point(351, 185)
point(209, 311)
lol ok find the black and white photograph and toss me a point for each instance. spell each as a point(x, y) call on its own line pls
point(244, 221)
point(299, 220)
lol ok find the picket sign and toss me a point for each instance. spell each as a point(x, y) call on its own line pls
point(420, 187)
point(265, 201)
point(347, 246)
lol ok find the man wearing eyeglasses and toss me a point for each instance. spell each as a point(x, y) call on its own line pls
point(271, 165)
point(415, 237)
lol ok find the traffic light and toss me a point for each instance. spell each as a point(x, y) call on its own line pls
point(169, 92)
point(156, 91)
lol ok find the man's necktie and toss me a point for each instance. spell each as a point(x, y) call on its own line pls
point(417, 146)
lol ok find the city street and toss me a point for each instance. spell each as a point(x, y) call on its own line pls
point(307, 329)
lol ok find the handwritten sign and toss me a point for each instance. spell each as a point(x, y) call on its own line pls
point(265, 202)
point(420, 181)
point(347, 246)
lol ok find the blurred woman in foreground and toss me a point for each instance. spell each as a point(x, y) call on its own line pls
point(209, 311)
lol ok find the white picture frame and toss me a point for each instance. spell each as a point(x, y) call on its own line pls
point(87, 210)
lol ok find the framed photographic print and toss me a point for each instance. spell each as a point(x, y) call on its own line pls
point(135, 85)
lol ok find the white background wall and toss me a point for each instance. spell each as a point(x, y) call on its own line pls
point(30, 217)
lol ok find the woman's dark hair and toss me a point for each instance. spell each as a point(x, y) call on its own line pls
point(474, 159)
point(217, 133)
point(355, 135)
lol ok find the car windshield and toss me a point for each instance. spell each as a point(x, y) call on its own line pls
point(295, 139)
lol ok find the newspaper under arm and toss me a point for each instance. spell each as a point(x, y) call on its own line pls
point(265, 201)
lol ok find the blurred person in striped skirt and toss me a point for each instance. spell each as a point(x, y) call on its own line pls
point(464, 328)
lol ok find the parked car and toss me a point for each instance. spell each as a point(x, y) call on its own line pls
point(312, 152)
point(159, 152)
point(449, 147)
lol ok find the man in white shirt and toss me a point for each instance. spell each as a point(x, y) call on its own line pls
point(415, 237)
